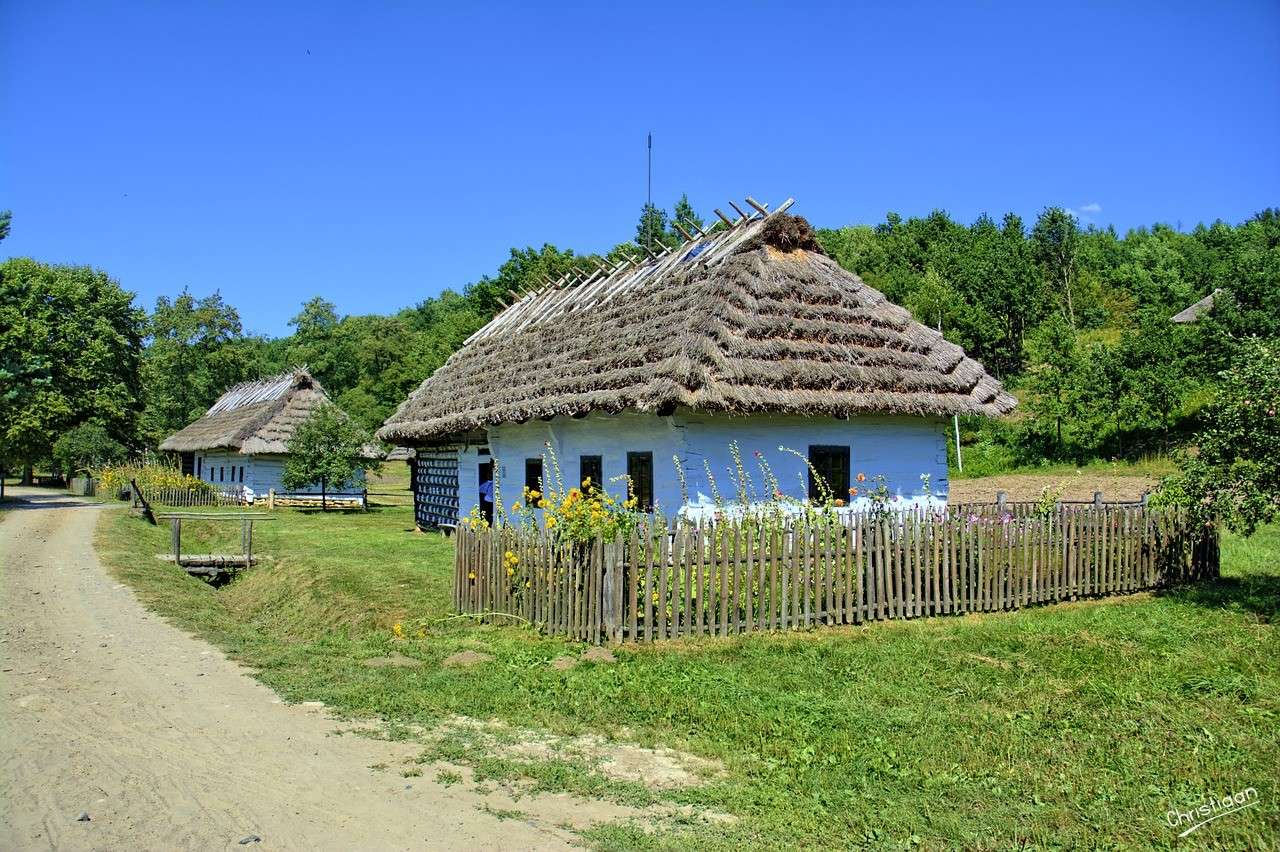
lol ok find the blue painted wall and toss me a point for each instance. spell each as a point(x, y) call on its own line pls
point(900, 448)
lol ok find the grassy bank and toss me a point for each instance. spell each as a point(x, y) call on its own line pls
point(1077, 725)
point(979, 463)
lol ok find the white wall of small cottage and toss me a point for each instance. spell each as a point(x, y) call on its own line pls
point(261, 473)
point(910, 452)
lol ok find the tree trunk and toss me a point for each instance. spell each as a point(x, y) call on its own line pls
point(324, 505)
point(1071, 310)
point(28, 475)
point(3, 474)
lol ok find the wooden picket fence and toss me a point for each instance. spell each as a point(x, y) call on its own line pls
point(734, 577)
point(186, 497)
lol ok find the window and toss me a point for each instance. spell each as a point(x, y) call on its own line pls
point(199, 467)
point(640, 469)
point(242, 473)
point(832, 464)
point(533, 478)
point(592, 468)
point(221, 473)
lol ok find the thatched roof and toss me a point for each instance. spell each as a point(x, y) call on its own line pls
point(754, 318)
point(253, 417)
point(1191, 313)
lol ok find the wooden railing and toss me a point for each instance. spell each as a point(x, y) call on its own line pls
point(189, 497)
point(736, 577)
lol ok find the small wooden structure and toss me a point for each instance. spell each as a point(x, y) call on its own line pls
point(212, 565)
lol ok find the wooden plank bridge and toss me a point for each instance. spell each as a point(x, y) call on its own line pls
point(212, 566)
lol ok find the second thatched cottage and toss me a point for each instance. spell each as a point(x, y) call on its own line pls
point(241, 443)
point(652, 369)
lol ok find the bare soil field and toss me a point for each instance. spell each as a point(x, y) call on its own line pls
point(1029, 486)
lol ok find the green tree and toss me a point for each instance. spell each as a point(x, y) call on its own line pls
point(651, 230)
point(85, 447)
point(195, 351)
point(70, 350)
point(6, 219)
point(1234, 477)
point(935, 302)
point(1055, 240)
point(325, 345)
point(327, 448)
point(1052, 377)
point(684, 213)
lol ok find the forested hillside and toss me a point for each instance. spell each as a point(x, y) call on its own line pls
point(1075, 320)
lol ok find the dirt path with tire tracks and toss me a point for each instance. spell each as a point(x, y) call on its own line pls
point(167, 744)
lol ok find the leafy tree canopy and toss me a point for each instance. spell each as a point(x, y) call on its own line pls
point(1234, 477)
point(86, 447)
point(327, 449)
point(195, 350)
point(70, 350)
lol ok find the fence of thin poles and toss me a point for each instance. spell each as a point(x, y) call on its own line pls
point(744, 574)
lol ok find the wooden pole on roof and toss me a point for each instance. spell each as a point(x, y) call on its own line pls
point(724, 218)
point(764, 210)
point(695, 226)
point(680, 228)
point(744, 216)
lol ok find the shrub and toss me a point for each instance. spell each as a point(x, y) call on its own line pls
point(1234, 478)
point(149, 476)
point(85, 447)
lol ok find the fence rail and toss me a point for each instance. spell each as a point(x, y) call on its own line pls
point(736, 577)
point(187, 497)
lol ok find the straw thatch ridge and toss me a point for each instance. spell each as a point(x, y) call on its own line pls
point(764, 323)
point(253, 417)
point(1191, 313)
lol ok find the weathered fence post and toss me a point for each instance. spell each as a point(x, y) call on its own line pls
point(1097, 499)
point(611, 587)
point(271, 499)
point(1002, 497)
point(176, 530)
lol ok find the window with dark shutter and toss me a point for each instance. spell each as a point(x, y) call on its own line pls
point(640, 469)
point(832, 464)
point(591, 468)
point(222, 473)
point(533, 477)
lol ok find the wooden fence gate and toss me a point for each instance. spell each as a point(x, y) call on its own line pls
point(735, 577)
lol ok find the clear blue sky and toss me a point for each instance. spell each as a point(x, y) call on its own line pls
point(375, 154)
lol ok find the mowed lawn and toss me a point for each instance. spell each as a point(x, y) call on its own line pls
point(1078, 725)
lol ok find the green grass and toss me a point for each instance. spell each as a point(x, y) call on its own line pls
point(1071, 726)
point(980, 462)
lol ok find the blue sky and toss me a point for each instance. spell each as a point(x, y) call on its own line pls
point(375, 154)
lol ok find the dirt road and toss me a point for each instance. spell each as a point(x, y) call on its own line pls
point(166, 744)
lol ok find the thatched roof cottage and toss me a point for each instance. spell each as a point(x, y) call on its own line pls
point(241, 442)
point(749, 334)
